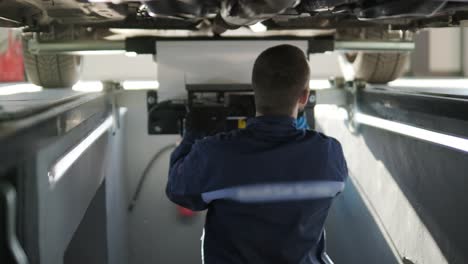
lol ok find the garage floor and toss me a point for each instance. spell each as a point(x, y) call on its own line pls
point(157, 234)
point(422, 211)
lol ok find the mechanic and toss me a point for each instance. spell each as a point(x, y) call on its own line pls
point(268, 187)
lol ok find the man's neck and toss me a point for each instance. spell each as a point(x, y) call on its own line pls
point(258, 114)
point(293, 114)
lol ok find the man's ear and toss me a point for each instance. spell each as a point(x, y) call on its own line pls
point(304, 98)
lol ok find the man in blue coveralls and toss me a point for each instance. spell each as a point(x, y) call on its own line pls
point(267, 188)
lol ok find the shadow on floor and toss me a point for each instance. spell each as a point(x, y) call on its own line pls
point(157, 232)
point(352, 234)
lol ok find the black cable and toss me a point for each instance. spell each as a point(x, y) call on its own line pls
point(145, 174)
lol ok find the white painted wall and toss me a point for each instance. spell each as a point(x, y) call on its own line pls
point(143, 67)
point(203, 62)
point(324, 65)
point(464, 48)
point(119, 67)
point(156, 233)
point(445, 50)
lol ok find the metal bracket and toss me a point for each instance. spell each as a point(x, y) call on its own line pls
point(112, 88)
point(8, 197)
point(74, 47)
point(374, 46)
point(352, 108)
point(343, 94)
point(146, 45)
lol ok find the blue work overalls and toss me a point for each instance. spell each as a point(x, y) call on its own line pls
point(267, 188)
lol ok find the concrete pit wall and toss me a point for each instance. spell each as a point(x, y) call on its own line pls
point(411, 195)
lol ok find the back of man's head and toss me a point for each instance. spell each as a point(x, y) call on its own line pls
point(280, 76)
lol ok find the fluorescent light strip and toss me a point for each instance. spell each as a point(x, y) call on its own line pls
point(328, 111)
point(131, 54)
point(319, 84)
point(88, 86)
point(415, 132)
point(431, 83)
point(140, 85)
point(97, 52)
point(19, 88)
point(64, 163)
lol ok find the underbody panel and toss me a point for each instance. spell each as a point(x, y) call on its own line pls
point(218, 16)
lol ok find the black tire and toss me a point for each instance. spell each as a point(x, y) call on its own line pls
point(378, 67)
point(52, 71)
point(374, 67)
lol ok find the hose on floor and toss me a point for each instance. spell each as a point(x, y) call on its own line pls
point(145, 174)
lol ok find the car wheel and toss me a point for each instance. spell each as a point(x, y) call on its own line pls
point(375, 67)
point(52, 71)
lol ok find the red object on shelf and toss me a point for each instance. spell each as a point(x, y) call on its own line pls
point(185, 212)
point(11, 61)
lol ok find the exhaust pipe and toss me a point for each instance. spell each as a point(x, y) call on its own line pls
point(237, 13)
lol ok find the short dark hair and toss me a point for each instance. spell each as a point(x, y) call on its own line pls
point(280, 74)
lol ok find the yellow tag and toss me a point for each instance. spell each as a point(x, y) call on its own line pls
point(241, 123)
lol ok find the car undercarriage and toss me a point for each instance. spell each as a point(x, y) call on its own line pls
point(64, 22)
point(222, 15)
